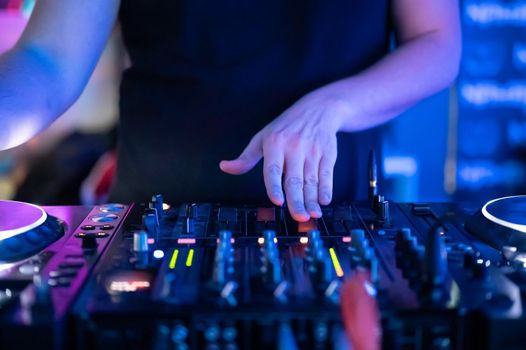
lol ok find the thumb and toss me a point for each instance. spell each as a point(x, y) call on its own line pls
point(248, 159)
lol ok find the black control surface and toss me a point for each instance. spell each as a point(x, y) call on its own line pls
point(209, 276)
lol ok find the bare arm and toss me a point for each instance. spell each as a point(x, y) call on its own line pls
point(426, 61)
point(51, 63)
point(299, 147)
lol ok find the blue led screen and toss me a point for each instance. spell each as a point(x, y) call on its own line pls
point(491, 121)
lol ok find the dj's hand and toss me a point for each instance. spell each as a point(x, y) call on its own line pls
point(299, 152)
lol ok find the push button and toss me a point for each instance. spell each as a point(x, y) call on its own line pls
point(110, 208)
point(104, 218)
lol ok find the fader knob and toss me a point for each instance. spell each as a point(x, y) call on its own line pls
point(220, 272)
point(313, 235)
point(150, 223)
point(383, 212)
point(412, 244)
point(403, 240)
point(225, 235)
point(435, 262)
point(89, 242)
point(404, 234)
point(269, 236)
point(357, 235)
point(470, 259)
point(140, 242)
point(274, 271)
point(189, 225)
point(157, 204)
point(325, 268)
point(480, 269)
point(376, 202)
point(401, 244)
point(371, 262)
point(223, 257)
point(314, 248)
point(190, 215)
point(435, 270)
point(373, 178)
point(42, 306)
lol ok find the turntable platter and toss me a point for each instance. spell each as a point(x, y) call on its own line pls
point(501, 222)
point(25, 229)
point(18, 217)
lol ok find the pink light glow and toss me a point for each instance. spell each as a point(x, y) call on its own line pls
point(129, 286)
point(232, 240)
point(186, 241)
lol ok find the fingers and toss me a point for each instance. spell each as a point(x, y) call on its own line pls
point(306, 176)
point(325, 175)
point(294, 186)
point(310, 187)
point(272, 174)
point(247, 160)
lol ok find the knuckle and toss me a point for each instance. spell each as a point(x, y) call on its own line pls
point(315, 151)
point(274, 169)
point(311, 181)
point(278, 136)
point(295, 142)
point(294, 182)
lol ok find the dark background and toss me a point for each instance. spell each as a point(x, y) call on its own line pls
point(466, 143)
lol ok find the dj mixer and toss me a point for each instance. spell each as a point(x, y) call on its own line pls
point(210, 276)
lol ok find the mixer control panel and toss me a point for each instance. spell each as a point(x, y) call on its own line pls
point(209, 276)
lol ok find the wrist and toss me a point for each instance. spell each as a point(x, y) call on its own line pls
point(342, 107)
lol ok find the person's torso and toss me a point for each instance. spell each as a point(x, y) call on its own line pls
point(207, 75)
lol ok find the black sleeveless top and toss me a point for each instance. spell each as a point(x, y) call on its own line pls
point(207, 75)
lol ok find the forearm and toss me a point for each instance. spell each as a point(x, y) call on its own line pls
point(51, 63)
point(417, 69)
point(29, 96)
